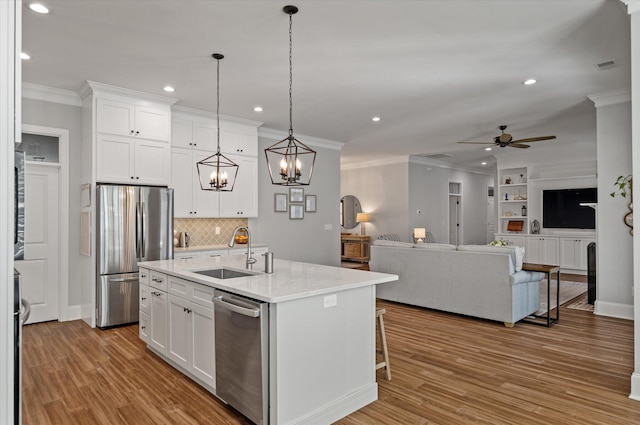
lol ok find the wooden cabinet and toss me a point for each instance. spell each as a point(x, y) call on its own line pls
point(190, 201)
point(542, 250)
point(132, 161)
point(513, 200)
point(355, 247)
point(243, 200)
point(573, 253)
point(134, 120)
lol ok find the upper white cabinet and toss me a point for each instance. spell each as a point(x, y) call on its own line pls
point(129, 119)
point(190, 201)
point(243, 200)
point(122, 159)
point(193, 138)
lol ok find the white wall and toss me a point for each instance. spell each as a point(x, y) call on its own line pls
point(394, 193)
point(383, 192)
point(48, 114)
point(615, 243)
point(301, 240)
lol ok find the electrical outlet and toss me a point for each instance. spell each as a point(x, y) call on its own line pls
point(330, 300)
point(217, 230)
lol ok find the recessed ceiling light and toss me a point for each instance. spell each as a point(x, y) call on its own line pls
point(24, 56)
point(38, 8)
point(529, 82)
point(375, 119)
point(484, 162)
point(487, 148)
point(169, 89)
point(257, 109)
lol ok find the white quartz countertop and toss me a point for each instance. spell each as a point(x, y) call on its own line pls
point(200, 248)
point(290, 280)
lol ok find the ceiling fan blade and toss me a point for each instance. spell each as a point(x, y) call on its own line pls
point(478, 143)
point(517, 145)
point(534, 139)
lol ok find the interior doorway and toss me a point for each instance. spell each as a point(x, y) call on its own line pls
point(45, 268)
point(455, 213)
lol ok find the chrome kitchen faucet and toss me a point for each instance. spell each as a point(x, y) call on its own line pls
point(250, 260)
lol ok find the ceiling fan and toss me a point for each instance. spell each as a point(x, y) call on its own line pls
point(505, 139)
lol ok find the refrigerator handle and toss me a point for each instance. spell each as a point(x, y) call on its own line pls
point(138, 231)
point(142, 238)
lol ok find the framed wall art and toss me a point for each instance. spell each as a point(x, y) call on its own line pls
point(296, 211)
point(310, 203)
point(296, 194)
point(280, 202)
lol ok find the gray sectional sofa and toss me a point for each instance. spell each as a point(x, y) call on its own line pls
point(474, 280)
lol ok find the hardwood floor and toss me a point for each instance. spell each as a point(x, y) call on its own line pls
point(446, 369)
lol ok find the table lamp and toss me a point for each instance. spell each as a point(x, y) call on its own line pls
point(419, 234)
point(362, 218)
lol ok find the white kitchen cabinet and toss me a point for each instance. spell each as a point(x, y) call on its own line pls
point(190, 201)
point(573, 253)
point(238, 141)
point(542, 250)
point(188, 133)
point(144, 298)
point(158, 332)
point(179, 332)
point(197, 254)
point(134, 120)
point(243, 200)
point(143, 326)
point(122, 159)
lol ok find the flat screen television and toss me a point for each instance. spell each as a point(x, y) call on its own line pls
point(561, 208)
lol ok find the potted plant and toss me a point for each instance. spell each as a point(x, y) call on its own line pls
point(624, 184)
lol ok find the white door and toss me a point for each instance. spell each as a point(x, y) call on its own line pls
point(454, 219)
point(40, 269)
point(491, 219)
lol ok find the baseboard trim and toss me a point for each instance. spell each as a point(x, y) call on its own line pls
point(635, 386)
point(74, 312)
point(617, 310)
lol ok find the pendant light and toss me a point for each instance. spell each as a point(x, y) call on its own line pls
point(290, 161)
point(217, 172)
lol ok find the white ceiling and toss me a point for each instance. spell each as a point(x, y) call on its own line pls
point(437, 72)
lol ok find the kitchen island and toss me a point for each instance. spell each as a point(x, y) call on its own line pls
point(319, 340)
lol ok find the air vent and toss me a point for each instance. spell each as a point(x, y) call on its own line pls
point(436, 155)
point(606, 65)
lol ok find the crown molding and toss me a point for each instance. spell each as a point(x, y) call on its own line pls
point(392, 160)
point(212, 116)
point(610, 97)
point(633, 6)
point(92, 86)
point(50, 94)
point(269, 133)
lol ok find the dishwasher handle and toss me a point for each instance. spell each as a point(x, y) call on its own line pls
point(250, 312)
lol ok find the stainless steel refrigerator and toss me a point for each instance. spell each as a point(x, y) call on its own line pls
point(134, 223)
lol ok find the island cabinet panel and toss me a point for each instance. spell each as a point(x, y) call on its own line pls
point(158, 334)
point(322, 354)
point(178, 347)
point(143, 326)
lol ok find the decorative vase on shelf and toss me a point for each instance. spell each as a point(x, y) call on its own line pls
point(523, 179)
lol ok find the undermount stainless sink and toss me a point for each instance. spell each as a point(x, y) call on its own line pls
point(223, 273)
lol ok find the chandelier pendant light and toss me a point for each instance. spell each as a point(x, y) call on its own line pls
point(290, 161)
point(217, 172)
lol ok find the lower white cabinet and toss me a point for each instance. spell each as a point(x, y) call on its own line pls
point(573, 253)
point(177, 321)
point(542, 250)
point(192, 338)
point(158, 324)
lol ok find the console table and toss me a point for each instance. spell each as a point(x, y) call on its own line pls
point(546, 269)
point(354, 247)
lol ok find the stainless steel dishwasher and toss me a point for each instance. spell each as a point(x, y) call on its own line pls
point(242, 354)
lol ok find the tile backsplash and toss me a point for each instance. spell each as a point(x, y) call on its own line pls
point(203, 230)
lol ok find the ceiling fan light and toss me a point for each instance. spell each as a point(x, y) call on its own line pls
point(529, 82)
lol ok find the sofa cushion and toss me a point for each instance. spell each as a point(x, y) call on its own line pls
point(497, 249)
point(526, 276)
point(392, 243)
point(435, 246)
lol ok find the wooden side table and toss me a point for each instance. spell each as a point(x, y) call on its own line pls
point(546, 269)
point(354, 247)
